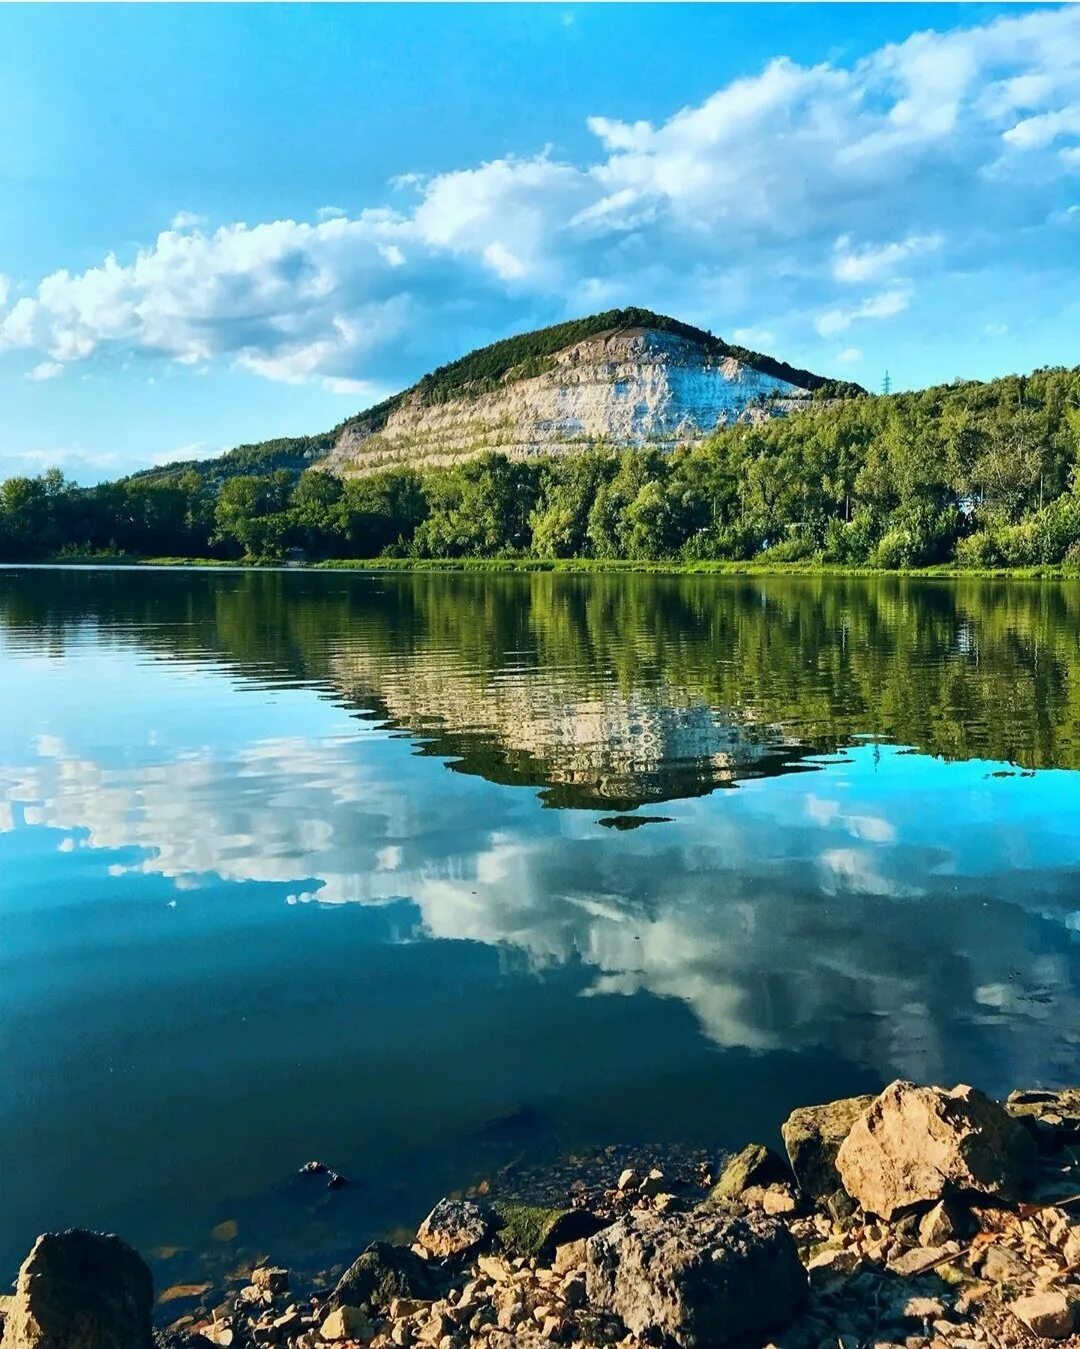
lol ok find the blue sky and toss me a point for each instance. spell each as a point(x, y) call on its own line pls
point(221, 223)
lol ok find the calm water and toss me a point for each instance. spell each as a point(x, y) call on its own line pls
point(299, 866)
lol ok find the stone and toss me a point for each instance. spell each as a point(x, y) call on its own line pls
point(569, 1256)
point(383, 1272)
point(755, 1165)
point(1001, 1265)
point(1049, 1315)
point(923, 1308)
point(533, 1231)
point(629, 1180)
point(914, 1145)
point(81, 1290)
point(696, 1279)
point(455, 1226)
point(271, 1278)
point(1053, 1117)
point(495, 1267)
point(778, 1199)
point(812, 1136)
point(347, 1323)
point(918, 1260)
point(936, 1226)
point(653, 1184)
point(835, 1260)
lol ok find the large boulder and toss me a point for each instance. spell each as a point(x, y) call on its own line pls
point(695, 1279)
point(381, 1274)
point(81, 1290)
point(915, 1145)
point(453, 1227)
point(812, 1136)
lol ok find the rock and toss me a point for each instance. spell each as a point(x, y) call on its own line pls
point(81, 1290)
point(1052, 1117)
point(937, 1226)
point(755, 1165)
point(918, 1260)
point(455, 1226)
point(382, 1273)
point(1049, 1315)
point(778, 1199)
point(696, 1278)
point(347, 1323)
point(530, 1230)
point(271, 1278)
point(835, 1260)
point(653, 1184)
point(812, 1136)
point(915, 1144)
point(569, 1256)
point(629, 1180)
point(1000, 1265)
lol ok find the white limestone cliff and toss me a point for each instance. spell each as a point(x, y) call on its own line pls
point(635, 386)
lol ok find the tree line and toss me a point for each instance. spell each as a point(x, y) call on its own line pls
point(983, 474)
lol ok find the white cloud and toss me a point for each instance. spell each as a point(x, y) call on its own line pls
point(886, 305)
point(187, 220)
point(926, 160)
point(870, 263)
point(753, 337)
point(196, 450)
point(849, 356)
point(45, 370)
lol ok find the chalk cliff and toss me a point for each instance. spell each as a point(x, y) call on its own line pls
point(644, 380)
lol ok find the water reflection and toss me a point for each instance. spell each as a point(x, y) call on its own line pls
point(224, 803)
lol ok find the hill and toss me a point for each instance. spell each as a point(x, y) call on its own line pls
point(457, 387)
point(625, 377)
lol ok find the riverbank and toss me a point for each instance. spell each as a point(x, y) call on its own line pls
point(571, 566)
point(924, 1217)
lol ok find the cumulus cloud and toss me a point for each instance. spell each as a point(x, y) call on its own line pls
point(764, 206)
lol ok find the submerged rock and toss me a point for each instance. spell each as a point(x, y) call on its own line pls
point(696, 1279)
point(914, 1145)
point(383, 1272)
point(812, 1136)
point(81, 1290)
point(1053, 1117)
point(455, 1226)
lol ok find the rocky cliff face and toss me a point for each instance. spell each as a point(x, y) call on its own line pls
point(634, 386)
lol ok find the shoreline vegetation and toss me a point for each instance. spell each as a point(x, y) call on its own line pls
point(967, 476)
point(921, 1218)
point(563, 566)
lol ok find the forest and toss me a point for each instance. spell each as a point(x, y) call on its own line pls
point(983, 475)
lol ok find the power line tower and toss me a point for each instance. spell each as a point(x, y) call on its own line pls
point(886, 384)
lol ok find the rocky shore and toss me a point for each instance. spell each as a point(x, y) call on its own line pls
point(923, 1217)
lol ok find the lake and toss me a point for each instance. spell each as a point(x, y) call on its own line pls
point(422, 874)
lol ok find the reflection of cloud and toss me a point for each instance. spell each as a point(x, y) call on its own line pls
point(784, 919)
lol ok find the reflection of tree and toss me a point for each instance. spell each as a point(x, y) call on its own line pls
point(547, 679)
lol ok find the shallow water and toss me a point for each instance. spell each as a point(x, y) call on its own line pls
point(335, 866)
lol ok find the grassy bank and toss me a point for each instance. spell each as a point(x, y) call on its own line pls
point(571, 566)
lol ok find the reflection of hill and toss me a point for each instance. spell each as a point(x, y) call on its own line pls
point(619, 689)
point(598, 749)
